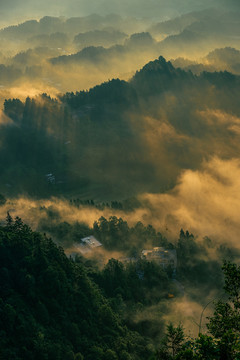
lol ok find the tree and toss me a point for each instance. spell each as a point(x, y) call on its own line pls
point(172, 343)
point(223, 340)
point(225, 323)
point(9, 220)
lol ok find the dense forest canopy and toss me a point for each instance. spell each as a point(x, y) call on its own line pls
point(55, 307)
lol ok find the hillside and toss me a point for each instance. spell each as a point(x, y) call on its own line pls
point(99, 139)
point(51, 309)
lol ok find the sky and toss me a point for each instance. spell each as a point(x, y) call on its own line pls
point(18, 10)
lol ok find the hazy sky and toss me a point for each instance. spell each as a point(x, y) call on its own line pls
point(16, 10)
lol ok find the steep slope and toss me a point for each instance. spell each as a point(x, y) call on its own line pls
point(49, 307)
point(119, 138)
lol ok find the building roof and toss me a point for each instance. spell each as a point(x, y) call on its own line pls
point(91, 241)
point(87, 245)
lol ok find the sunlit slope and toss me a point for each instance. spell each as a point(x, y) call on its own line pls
point(126, 137)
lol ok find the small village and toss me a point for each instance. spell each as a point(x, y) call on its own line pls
point(165, 258)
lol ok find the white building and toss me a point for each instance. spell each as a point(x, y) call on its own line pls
point(87, 245)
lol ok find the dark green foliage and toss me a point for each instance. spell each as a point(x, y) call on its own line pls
point(50, 308)
point(64, 233)
point(115, 234)
point(223, 342)
point(225, 323)
point(159, 76)
point(136, 282)
point(115, 93)
point(172, 343)
point(54, 308)
point(195, 267)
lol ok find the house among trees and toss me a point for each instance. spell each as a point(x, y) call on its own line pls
point(50, 178)
point(87, 245)
point(162, 256)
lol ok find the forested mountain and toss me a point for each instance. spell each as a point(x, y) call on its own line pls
point(51, 309)
point(95, 137)
point(140, 43)
point(55, 307)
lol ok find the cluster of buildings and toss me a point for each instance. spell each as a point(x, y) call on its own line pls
point(166, 258)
